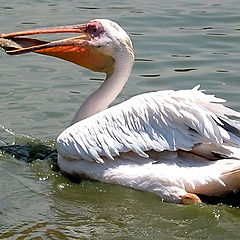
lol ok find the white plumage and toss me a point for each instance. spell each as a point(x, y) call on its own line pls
point(163, 120)
point(138, 144)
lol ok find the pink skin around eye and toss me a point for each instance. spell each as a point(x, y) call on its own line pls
point(94, 29)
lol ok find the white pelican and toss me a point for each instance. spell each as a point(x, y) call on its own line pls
point(176, 144)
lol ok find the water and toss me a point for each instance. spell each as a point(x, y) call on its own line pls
point(178, 45)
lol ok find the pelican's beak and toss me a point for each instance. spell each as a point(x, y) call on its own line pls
point(79, 50)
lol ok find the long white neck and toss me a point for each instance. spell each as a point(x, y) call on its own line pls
point(109, 90)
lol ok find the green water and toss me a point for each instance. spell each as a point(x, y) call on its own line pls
point(178, 44)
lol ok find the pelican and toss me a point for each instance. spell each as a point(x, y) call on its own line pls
point(176, 144)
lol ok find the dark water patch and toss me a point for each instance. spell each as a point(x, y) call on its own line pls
point(202, 29)
point(198, 12)
point(184, 69)
point(143, 60)
point(137, 11)
point(13, 103)
point(150, 75)
point(6, 8)
point(180, 56)
point(207, 28)
point(31, 151)
point(199, 29)
point(28, 23)
point(222, 71)
point(121, 8)
point(75, 92)
point(97, 79)
point(231, 199)
point(216, 5)
point(135, 34)
point(88, 8)
point(216, 34)
point(220, 53)
point(192, 28)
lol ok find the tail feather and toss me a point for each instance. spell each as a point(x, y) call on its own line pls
point(226, 182)
point(232, 179)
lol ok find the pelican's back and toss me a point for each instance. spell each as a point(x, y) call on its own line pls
point(163, 120)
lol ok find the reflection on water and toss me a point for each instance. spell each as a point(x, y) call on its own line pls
point(178, 45)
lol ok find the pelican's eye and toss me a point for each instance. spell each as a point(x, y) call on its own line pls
point(94, 29)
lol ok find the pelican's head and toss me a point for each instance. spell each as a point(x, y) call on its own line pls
point(101, 42)
point(108, 37)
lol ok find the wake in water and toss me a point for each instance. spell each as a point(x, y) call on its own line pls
point(26, 148)
point(30, 151)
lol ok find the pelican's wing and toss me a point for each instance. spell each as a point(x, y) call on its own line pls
point(163, 120)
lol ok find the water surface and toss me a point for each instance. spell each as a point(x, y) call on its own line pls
point(178, 44)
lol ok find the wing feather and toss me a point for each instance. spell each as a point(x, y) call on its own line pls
point(163, 120)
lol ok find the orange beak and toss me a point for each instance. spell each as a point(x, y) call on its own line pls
point(79, 50)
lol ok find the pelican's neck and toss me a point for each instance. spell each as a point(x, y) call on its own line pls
point(109, 90)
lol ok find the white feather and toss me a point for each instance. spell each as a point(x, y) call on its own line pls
point(168, 174)
point(163, 120)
